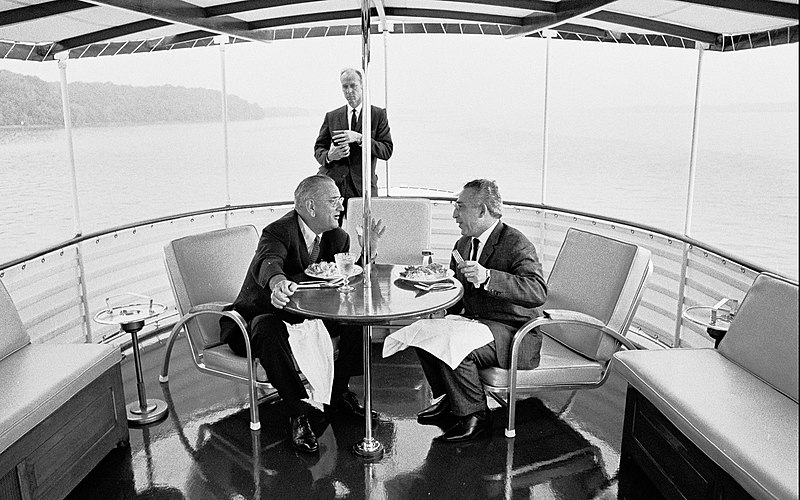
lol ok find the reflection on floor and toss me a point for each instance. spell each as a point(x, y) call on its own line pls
point(566, 447)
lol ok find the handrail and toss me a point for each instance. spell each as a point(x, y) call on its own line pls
point(614, 220)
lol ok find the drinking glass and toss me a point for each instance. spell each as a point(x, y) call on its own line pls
point(345, 262)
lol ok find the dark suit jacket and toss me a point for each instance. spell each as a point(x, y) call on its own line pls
point(515, 290)
point(346, 172)
point(281, 250)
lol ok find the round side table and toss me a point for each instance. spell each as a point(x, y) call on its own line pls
point(131, 318)
point(701, 315)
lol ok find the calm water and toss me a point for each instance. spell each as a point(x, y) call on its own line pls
point(631, 164)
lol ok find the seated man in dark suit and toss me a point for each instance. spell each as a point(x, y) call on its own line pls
point(309, 233)
point(503, 286)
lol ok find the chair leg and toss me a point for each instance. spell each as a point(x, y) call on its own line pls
point(164, 376)
point(255, 424)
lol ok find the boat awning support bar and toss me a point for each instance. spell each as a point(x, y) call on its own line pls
point(366, 142)
point(222, 40)
point(545, 114)
point(687, 224)
point(62, 58)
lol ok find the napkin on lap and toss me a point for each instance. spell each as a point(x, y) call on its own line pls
point(313, 350)
point(450, 338)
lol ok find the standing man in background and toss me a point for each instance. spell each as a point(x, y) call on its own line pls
point(339, 144)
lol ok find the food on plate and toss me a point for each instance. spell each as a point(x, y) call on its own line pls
point(434, 270)
point(323, 270)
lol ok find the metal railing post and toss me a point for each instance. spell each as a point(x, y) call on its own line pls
point(687, 224)
point(222, 40)
point(62, 58)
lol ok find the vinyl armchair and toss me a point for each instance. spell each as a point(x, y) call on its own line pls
point(206, 271)
point(594, 289)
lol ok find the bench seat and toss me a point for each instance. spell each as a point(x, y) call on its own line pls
point(741, 423)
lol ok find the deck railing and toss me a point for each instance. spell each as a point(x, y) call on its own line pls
point(59, 290)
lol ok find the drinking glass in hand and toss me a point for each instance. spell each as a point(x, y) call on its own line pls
point(345, 262)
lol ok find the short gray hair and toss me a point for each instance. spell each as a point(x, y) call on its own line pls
point(310, 188)
point(488, 194)
point(349, 71)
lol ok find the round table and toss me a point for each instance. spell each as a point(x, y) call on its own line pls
point(131, 317)
point(701, 315)
point(387, 298)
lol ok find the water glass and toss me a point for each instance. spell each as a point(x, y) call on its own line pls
point(345, 262)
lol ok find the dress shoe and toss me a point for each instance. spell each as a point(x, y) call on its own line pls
point(303, 438)
point(435, 413)
point(467, 428)
point(347, 404)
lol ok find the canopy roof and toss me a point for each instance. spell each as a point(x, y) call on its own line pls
point(36, 30)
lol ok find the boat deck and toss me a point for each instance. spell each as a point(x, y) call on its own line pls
point(204, 449)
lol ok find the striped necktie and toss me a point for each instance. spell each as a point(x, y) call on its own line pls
point(475, 246)
point(315, 250)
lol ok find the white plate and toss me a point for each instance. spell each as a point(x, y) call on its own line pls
point(449, 275)
point(356, 271)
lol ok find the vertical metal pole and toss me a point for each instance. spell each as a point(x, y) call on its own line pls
point(687, 223)
point(222, 40)
point(62, 57)
point(366, 142)
point(386, 90)
point(62, 66)
point(546, 117)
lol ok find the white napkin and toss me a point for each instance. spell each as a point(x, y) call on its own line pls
point(313, 350)
point(450, 338)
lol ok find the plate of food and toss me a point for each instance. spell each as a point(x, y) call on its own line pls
point(329, 271)
point(430, 273)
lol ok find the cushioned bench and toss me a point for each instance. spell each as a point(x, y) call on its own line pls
point(720, 423)
point(62, 410)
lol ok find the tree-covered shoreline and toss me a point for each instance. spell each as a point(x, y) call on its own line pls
point(28, 101)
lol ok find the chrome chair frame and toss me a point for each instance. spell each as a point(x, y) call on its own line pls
point(512, 387)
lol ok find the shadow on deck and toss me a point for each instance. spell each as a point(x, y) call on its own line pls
point(204, 449)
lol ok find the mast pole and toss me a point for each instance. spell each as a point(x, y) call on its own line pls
point(62, 57)
point(546, 116)
point(366, 142)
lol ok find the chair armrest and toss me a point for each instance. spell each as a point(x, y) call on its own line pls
point(210, 307)
point(562, 317)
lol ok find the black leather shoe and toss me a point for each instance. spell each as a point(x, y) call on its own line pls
point(435, 413)
point(348, 404)
point(303, 438)
point(468, 428)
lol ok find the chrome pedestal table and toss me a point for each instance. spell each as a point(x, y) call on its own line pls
point(130, 318)
point(387, 299)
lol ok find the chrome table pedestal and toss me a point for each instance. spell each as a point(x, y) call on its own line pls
point(131, 318)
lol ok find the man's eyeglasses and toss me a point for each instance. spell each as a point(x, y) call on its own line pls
point(335, 201)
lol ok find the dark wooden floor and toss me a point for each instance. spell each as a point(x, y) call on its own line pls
point(566, 448)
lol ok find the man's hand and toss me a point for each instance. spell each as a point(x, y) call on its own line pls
point(342, 137)
point(474, 272)
point(376, 230)
point(338, 152)
point(281, 293)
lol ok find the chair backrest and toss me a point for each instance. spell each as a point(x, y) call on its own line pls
point(763, 337)
point(599, 276)
point(209, 267)
point(13, 335)
point(408, 227)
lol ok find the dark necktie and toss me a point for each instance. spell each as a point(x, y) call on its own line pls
point(315, 250)
point(475, 245)
point(354, 120)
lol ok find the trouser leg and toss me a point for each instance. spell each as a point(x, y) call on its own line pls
point(464, 384)
point(433, 367)
point(350, 360)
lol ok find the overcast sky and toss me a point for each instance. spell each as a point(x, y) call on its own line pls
point(427, 69)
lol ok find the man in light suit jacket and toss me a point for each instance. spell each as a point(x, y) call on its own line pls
point(338, 146)
point(284, 251)
point(503, 286)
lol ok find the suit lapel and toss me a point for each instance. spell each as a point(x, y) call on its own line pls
point(488, 248)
